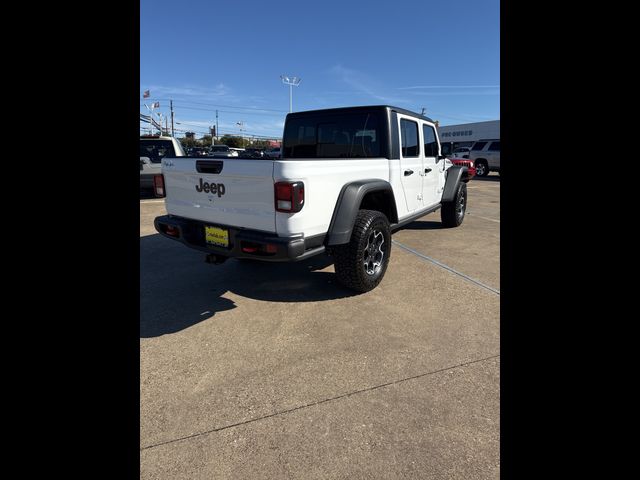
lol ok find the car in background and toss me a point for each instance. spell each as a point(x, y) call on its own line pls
point(153, 148)
point(461, 152)
point(485, 155)
point(222, 151)
point(197, 152)
point(252, 153)
point(274, 153)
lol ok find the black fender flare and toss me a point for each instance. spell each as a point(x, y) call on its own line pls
point(455, 175)
point(348, 204)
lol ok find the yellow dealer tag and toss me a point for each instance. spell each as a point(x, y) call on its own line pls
point(216, 236)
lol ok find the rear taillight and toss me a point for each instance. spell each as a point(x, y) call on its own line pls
point(158, 185)
point(169, 230)
point(264, 249)
point(173, 231)
point(289, 196)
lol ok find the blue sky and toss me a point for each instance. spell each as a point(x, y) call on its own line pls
point(227, 55)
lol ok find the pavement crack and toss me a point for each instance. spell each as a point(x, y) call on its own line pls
point(319, 402)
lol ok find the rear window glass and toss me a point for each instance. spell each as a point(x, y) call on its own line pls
point(494, 147)
point(478, 145)
point(156, 150)
point(332, 136)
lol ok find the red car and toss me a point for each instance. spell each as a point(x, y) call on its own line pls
point(465, 162)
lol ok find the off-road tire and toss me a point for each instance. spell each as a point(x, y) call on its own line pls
point(349, 259)
point(452, 213)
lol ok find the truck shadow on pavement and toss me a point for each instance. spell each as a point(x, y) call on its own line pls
point(179, 290)
point(422, 225)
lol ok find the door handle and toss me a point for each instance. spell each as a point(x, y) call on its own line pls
point(427, 170)
point(408, 172)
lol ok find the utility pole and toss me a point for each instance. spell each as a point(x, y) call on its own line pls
point(217, 128)
point(172, 133)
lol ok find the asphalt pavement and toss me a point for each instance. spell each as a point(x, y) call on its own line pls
point(258, 370)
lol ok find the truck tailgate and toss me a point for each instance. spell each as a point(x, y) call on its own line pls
point(230, 192)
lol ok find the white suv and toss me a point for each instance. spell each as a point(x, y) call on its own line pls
point(485, 155)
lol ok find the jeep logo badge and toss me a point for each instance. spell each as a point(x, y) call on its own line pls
point(207, 187)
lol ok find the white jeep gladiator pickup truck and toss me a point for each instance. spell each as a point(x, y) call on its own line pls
point(347, 178)
point(153, 148)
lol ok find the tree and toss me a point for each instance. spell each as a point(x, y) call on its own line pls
point(188, 142)
point(231, 141)
point(261, 144)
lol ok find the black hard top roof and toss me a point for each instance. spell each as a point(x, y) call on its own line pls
point(358, 109)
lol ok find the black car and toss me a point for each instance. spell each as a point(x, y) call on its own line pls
point(197, 152)
point(253, 153)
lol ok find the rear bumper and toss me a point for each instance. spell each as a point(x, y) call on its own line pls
point(287, 249)
point(146, 180)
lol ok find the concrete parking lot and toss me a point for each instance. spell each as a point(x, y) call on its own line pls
point(256, 370)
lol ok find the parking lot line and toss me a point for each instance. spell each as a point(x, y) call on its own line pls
point(484, 218)
point(446, 267)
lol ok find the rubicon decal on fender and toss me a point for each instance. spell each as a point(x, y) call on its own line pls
point(211, 188)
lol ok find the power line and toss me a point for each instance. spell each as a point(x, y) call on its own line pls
point(205, 131)
point(218, 105)
point(230, 132)
point(226, 111)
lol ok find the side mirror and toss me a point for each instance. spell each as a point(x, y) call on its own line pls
point(440, 157)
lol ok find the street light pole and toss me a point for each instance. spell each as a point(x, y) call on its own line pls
point(241, 134)
point(292, 82)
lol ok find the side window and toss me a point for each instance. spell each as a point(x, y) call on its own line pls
point(478, 145)
point(494, 147)
point(430, 143)
point(409, 131)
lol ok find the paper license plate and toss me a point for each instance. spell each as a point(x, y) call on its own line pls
point(216, 236)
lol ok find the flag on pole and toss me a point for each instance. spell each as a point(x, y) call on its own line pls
point(156, 105)
point(146, 94)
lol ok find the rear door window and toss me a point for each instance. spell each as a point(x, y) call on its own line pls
point(494, 147)
point(430, 142)
point(409, 133)
point(478, 145)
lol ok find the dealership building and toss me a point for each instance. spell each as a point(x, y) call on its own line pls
point(465, 134)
